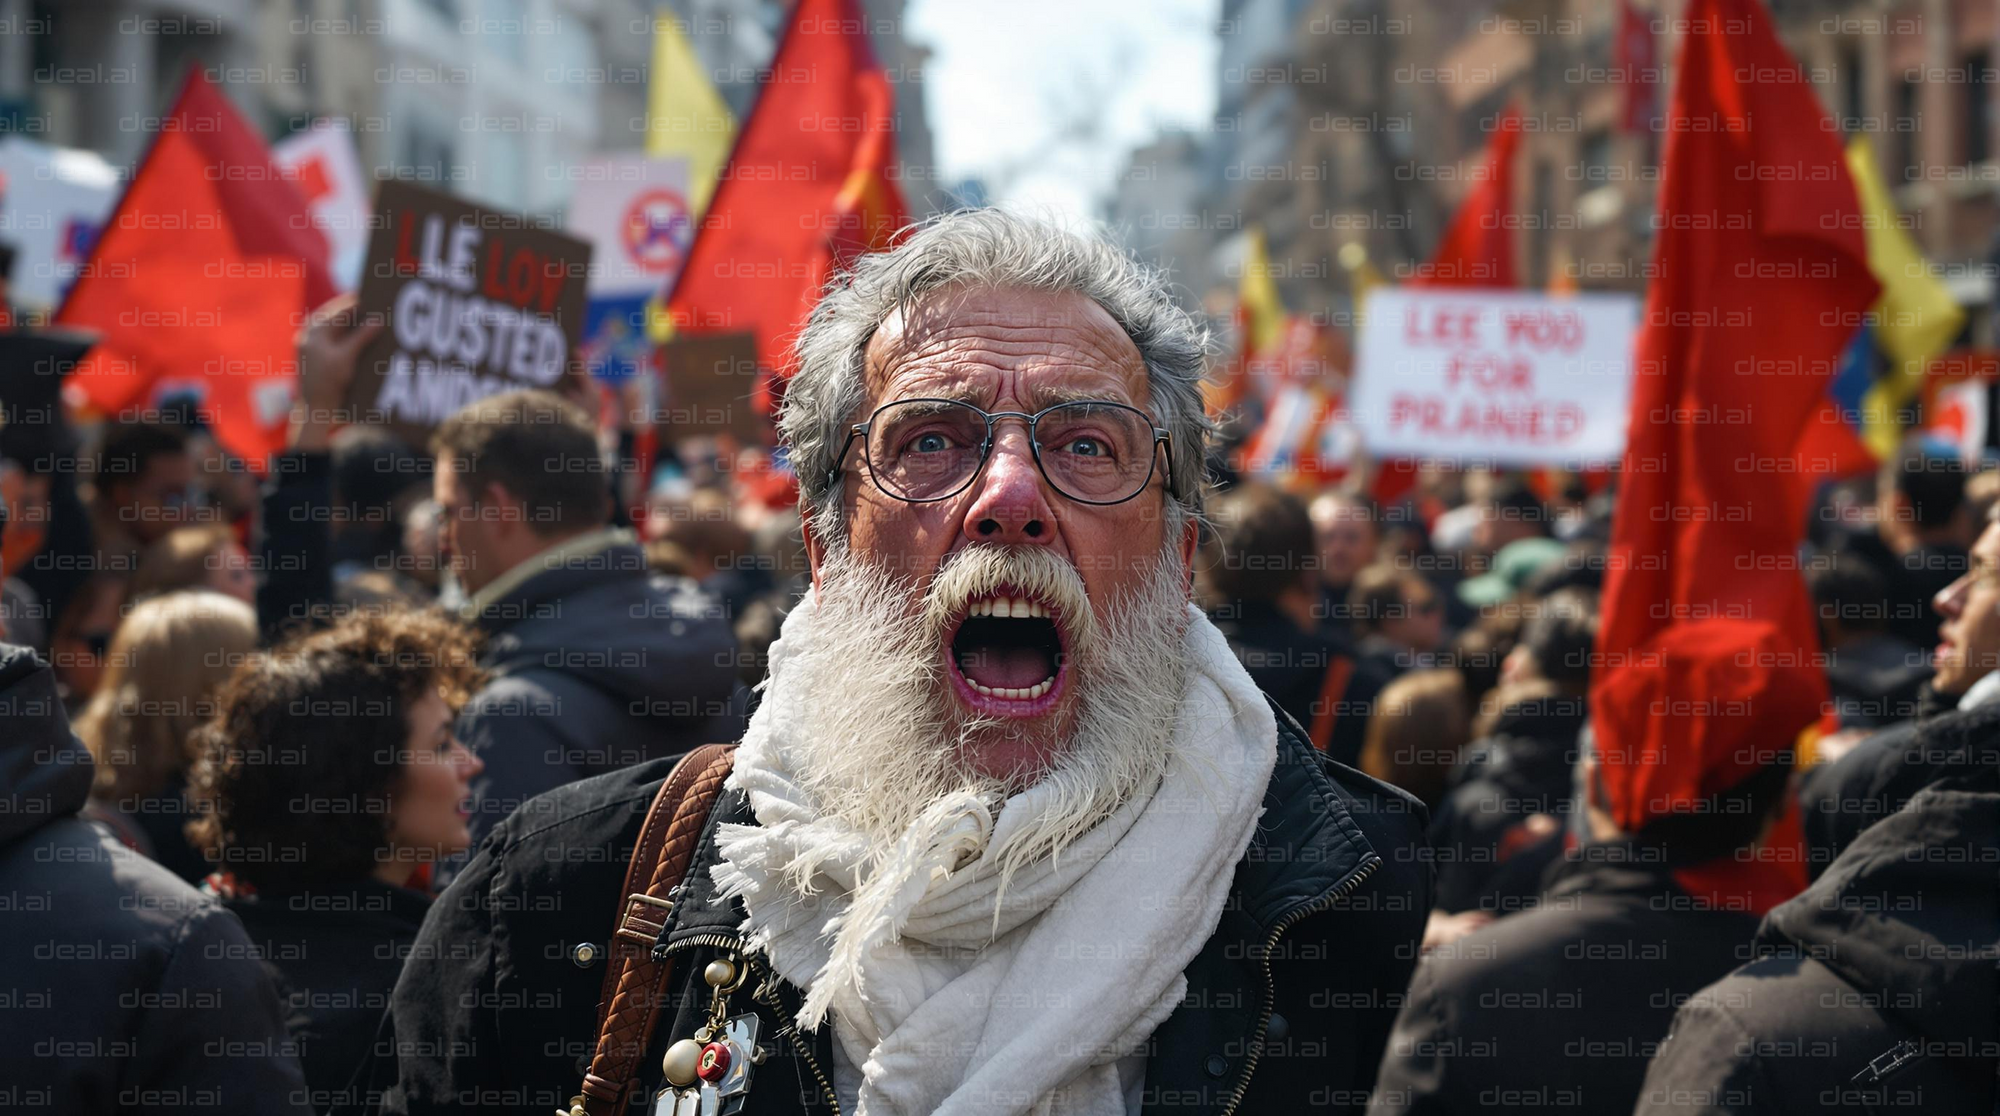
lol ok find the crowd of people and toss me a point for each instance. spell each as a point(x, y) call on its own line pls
point(259, 720)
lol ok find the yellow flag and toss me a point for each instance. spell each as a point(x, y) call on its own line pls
point(685, 115)
point(1915, 317)
point(1363, 278)
point(1257, 293)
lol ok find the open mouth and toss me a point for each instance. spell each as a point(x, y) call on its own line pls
point(1008, 656)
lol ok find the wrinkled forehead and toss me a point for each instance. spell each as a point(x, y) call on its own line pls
point(983, 344)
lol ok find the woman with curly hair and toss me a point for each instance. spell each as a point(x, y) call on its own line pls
point(329, 783)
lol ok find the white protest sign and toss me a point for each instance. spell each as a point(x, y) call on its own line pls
point(1502, 376)
point(322, 163)
point(53, 200)
point(634, 212)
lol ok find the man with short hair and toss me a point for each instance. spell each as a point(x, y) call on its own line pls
point(1841, 796)
point(1346, 537)
point(143, 489)
point(1398, 617)
point(1923, 527)
point(1266, 597)
point(597, 663)
point(1012, 830)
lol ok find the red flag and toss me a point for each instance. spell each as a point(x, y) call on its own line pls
point(808, 183)
point(203, 274)
point(1637, 60)
point(1478, 248)
point(1761, 270)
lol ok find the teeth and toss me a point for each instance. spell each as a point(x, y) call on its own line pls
point(1011, 693)
point(1017, 608)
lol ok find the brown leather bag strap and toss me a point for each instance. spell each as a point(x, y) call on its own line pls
point(633, 981)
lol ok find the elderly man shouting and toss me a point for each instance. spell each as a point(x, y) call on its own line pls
point(1011, 830)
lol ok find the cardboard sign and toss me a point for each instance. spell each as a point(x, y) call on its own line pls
point(477, 302)
point(711, 388)
point(1500, 376)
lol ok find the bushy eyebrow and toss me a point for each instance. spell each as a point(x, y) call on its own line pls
point(1039, 397)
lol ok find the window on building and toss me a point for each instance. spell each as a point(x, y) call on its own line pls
point(1595, 156)
point(1978, 109)
point(426, 150)
point(1853, 99)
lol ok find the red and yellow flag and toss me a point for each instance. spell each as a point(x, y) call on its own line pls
point(809, 183)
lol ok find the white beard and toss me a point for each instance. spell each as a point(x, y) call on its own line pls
point(888, 741)
point(930, 913)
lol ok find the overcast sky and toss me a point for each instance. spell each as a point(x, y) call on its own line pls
point(1045, 98)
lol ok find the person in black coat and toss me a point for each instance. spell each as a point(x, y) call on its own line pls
point(1260, 579)
point(1512, 792)
point(127, 990)
point(1001, 536)
point(1560, 1008)
point(596, 663)
point(500, 995)
point(328, 784)
point(1877, 987)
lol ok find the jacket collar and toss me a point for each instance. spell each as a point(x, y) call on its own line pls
point(1306, 845)
point(545, 575)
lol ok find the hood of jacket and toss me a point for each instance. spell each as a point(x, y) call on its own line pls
point(1910, 912)
point(605, 620)
point(45, 772)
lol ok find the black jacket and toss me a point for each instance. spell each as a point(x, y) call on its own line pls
point(1837, 801)
point(1287, 1007)
point(334, 955)
point(1294, 668)
point(125, 990)
point(597, 665)
point(1558, 1009)
point(1877, 680)
point(1878, 991)
point(1523, 768)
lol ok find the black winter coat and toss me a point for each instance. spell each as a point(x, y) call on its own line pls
point(124, 989)
point(1878, 776)
point(597, 665)
point(1293, 667)
point(1558, 1009)
point(1878, 993)
point(334, 955)
point(1523, 768)
point(1287, 1007)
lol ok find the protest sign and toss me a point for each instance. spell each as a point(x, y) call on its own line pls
point(322, 163)
point(53, 201)
point(634, 212)
point(477, 302)
point(1500, 376)
point(711, 388)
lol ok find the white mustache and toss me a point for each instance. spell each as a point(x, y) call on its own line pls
point(1032, 571)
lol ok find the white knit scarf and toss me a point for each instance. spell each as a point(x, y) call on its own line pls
point(962, 996)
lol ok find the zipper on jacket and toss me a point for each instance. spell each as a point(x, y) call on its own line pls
point(1333, 895)
point(766, 993)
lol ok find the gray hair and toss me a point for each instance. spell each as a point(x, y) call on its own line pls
point(988, 248)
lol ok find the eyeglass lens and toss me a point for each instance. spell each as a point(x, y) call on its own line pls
point(925, 449)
